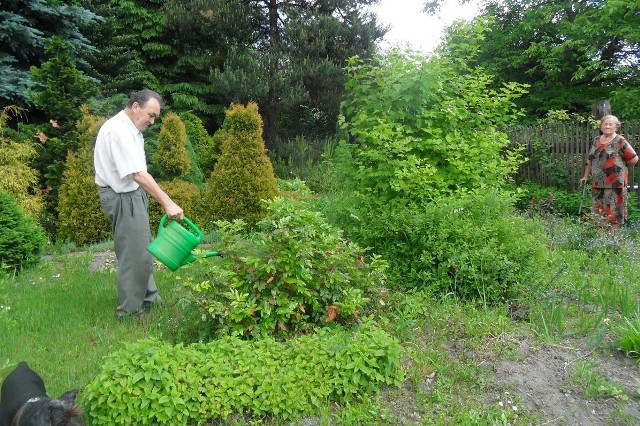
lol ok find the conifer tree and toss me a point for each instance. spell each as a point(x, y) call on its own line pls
point(81, 218)
point(243, 175)
point(174, 159)
point(171, 157)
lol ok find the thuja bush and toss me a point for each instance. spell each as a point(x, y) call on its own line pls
point(242, 177)
point(186, 194)
point(293, 273)
point(21, 240)
point(205, 146)
point(170, 156)
point(474, 247)
point(80, 215)
point(153, 382)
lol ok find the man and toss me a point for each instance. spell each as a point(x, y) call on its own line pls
point(121, 173)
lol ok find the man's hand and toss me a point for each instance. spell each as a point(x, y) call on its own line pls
point(174, 211)
point(149, 184)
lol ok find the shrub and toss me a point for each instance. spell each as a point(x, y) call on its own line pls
point(473, 246)
point(21, 240)
point(535, 199)
point(171, 156)
point(294, 273)
point(243, 176)
point(421, 128)
point(186, 194)
point(16, 177)
point(151, 382)
point(81, 218)
point(205, 146)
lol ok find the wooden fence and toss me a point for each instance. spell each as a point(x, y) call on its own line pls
point(557, 152)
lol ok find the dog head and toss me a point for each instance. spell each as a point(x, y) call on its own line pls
point(52, 412)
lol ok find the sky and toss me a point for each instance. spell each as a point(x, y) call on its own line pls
point(410, 25)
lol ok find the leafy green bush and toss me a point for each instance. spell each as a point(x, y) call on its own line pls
point(152, 382)
point(21, 240)
point(420, 128)
point(535, 199)
point(243, 176)
point(294, 273)
point(473, 246)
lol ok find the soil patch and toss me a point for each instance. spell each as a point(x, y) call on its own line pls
point(541, 380)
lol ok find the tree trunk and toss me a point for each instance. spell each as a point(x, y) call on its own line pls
point(270, 112)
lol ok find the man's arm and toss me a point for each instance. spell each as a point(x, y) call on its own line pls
point(149, 184)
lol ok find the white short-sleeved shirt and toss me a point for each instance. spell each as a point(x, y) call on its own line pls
point(118, 154)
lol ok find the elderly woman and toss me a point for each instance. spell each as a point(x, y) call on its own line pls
point(608, 162)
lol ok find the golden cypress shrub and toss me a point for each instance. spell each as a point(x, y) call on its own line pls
point(81, 218)
point(243, 175)
point(171, 156)
point(16, 177)
point(186, 194)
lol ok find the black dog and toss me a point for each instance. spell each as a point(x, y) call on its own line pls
point(24, 402)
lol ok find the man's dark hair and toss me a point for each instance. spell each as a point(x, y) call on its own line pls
point(143, 96)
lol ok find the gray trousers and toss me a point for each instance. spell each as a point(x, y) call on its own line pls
point(129, 216)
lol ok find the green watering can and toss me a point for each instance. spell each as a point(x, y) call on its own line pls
point(173, 243)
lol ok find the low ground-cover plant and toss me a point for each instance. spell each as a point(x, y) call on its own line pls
point(295, 272)
point(153, 382)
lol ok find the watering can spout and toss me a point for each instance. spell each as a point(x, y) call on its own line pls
point(174, 243)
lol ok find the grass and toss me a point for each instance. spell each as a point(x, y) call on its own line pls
point(59, 316)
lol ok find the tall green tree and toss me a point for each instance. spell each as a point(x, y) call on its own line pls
point(204, 55)
point(24, 27)
point(59, 90)
point(571, 53)
point(130, 44)
point(304, 44)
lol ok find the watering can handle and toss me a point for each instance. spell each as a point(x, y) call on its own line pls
point(186, 220)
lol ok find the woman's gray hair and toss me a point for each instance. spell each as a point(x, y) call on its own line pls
point(611, 117)
point(143, 96)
